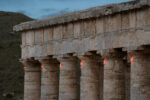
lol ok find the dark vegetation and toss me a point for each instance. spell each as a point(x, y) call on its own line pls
point(11, 71)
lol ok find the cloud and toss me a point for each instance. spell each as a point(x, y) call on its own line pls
point(45, 8)
point(48, 10)
point(66, 10)
point(56, 12)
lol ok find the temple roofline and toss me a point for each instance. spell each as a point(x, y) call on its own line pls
point(83, 14)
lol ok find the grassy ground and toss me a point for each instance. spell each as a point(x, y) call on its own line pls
point(11, 71)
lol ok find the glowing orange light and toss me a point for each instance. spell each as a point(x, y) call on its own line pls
point(81, 63)
point(60, 66)
point(104, 61)
point(42, 67)
point(24, 68)
point(131, 59)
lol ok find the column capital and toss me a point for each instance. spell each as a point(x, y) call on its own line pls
point(90, 57)
point(31, 65)
point(112, 53)
point(132, 53)
point(48, 60)
point(67, 57)
point(144, 49)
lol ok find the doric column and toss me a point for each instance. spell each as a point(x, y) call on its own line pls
point(68, 78)
point(127, 81)
point(89, 85)
point(114, 85)
point(32, 80)
point(140, 76)
point(101, 79)
point(49, 79)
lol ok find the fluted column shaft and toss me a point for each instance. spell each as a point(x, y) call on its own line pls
point(68, 79)
point(32, 80)
point(140, 76)
point(89, 85)
point(49, 79)
point(114, 77)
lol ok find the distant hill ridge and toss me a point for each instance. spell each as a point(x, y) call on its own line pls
point(11, 71)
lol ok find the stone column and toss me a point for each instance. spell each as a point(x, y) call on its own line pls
point(127, 81)
point(49, 79)
point(32, 80)
point(114, 85)
point(101, 79)
point(68, 78)
point(89, 85)
point(140, 76)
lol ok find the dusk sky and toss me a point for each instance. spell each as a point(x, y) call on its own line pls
point(44, 8)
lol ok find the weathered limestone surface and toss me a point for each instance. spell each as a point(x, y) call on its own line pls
point(68, 79)
point(49, 79)
point(125, 29)
point(114, 87)
point(140, 76)
point(89, 85)
point(32, 80)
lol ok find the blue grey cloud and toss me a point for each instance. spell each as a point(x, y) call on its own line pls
point(48, 10)
point(49, 13)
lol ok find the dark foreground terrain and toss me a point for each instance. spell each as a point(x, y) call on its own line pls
point(11, 71)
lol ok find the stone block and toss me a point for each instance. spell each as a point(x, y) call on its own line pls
point(140, 15)
point(50, 48)
point(31, 51)
point(113, 23)
point(23, 52)
point(125, 20)
point(38, 51)
point(147, 16)
point(44, 50)
point(76, 30)
point(29, 37)
point(69, 30)
point(57, 32)
point(39, 36)
point(48, 34)
point(99, 25)
point(23, 38)
point(64, 31)
point(132, 19)
point(82, 29)
point(56, 48)
point(89, 27)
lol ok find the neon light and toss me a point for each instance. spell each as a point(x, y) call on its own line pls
point(104, 61)
point(81, 63)
point(24, 68)
point(131, 59)
point(60, 66)
point(42, 67)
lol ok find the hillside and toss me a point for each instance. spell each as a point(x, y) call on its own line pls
point(11, 71)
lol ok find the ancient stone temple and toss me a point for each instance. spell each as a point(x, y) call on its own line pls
point(110, 45)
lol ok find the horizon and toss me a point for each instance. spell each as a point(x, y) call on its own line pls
point(47, 8)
